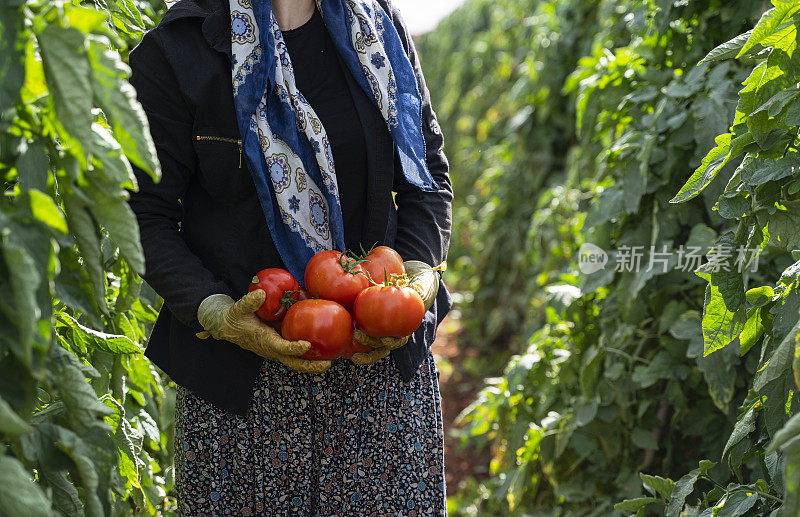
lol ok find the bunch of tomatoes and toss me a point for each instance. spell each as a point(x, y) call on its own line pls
point(341, 294)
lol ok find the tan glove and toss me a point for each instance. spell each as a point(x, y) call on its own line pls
point(382, 346)
point(424, 279)
point(363, 358)
point(237, 322)
point(379, 343)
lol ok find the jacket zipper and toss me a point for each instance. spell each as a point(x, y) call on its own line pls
point(223, 139)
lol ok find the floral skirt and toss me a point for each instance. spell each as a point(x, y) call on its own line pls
point(355, 440)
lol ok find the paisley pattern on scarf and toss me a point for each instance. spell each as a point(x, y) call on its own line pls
point(355, 440)
point(305, 218)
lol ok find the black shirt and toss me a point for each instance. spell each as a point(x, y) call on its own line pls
point(319, 75)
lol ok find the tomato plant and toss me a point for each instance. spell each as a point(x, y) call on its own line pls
point(332, 275)
point(388, 311)
point(627, 391)
point(323, 323)
point(280, 287)
point(85, 418)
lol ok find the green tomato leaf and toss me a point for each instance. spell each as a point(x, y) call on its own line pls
point(736, 504)
point(45, 210)
point(791, 501)
point(753, 329)
point(76, 393)
point(720, 326)
point(779, 362)
point(634, 505)
point(68, 74)
point(755, 171)
point(72, 285)
point(33, 167)
point(683, 488)
point(727, 50)
point(609, 205)
point(116, 344)
point(745, 426)
point(117, 98)
point(796, 364)
point(769, 23)
point(84, 19)
point(19, 495)
point(12, 48)
point(710, 166)
point(792, 116)
point(11, 424)
point(112, 211)
point(784, 226)
point(719, 372)
point(85, 232)
point(788, 433)
point(760, 296)
point(25, 279)
point(65, 496)
point(727, 278)
point(787, 306)
point(775, 105)
point(712, 117)
point(110, 162)
point(95, 460)
point(658, 485)
point(127, 17)
point(734, 207)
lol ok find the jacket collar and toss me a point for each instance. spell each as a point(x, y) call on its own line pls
point(216, 20)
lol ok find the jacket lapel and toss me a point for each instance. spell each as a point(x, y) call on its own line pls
point(217, 29)
point(216, 20)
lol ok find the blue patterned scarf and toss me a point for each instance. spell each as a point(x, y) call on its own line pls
point(285, 145)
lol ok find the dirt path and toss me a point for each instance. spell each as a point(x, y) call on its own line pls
point(458, 389)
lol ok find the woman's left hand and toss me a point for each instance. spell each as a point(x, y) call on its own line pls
point(381, 345)
point(390, 343)
point(363, 358)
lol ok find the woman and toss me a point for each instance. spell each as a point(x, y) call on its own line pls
point(284, 128)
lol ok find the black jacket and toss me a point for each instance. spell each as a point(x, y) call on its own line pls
point(202, 228)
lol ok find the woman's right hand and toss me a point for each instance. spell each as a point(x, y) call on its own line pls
point(237, 323)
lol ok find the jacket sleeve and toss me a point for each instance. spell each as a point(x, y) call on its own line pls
point(423, 218)
point(171, 268)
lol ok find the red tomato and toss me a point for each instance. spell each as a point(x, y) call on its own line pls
point(332, 276)
point(355, 348)
point(383, 311)
point(383, 262)
point(323, 323)
point(275, 282)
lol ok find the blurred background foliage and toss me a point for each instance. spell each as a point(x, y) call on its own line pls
point(625, 392)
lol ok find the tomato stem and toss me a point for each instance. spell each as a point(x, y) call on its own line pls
point(348, 264)
point(364, 254)
point(369, 278)
point(287, 301)
point(390, 280)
